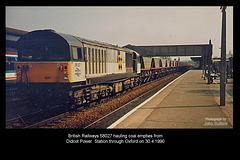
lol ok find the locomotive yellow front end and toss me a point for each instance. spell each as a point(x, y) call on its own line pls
point(49, 65)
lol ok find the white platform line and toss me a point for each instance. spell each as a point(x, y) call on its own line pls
point(133, 110)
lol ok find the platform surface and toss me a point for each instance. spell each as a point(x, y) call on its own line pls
point(189, 102)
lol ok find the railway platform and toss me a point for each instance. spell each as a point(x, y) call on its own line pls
point(187, 102)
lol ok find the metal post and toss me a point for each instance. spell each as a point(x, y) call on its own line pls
point(203, 66)
point(223, 58)
point(209, 57)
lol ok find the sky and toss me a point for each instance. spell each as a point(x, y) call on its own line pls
point(154, 25)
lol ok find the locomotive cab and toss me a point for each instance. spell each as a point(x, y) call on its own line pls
point(49, 62)
point(49, 57)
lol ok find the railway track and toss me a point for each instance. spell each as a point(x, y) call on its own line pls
point(102, 114)
point(32, 118)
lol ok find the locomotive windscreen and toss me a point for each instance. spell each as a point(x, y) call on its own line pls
point(43, 46)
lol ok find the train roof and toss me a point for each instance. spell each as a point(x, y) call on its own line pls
point(72, 40)
point(103, 44)
point(51, 34)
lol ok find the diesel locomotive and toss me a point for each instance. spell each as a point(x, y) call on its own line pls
point(57, 68)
